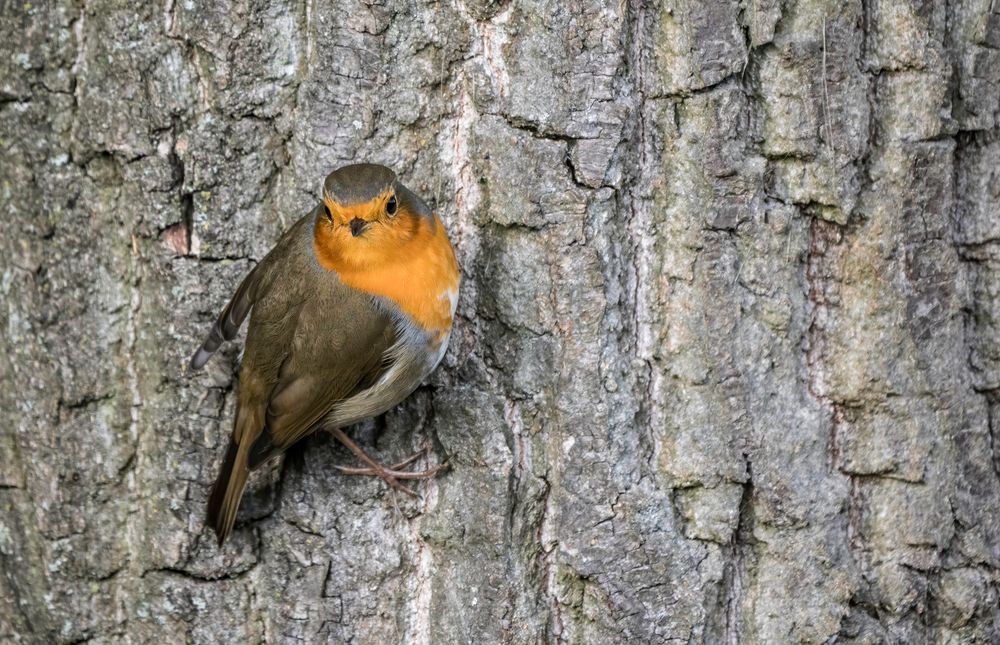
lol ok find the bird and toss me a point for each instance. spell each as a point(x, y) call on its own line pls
point(349, 312)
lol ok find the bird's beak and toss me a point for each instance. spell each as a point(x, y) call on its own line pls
point(358, 226)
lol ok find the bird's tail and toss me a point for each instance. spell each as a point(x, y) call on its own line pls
point(228, 490)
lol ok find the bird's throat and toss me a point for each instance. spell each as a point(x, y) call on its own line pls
point(418, 273)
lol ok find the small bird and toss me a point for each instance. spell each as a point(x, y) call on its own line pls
point(349, 312)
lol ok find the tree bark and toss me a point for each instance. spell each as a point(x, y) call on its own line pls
point(726, 365)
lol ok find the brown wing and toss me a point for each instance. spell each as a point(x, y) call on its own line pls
point(253, 287)
point(230, 319)
point(311, 342)
point(339, 348)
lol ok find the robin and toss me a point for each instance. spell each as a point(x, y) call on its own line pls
point(349, 312)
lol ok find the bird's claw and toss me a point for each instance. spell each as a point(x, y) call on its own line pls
point(391, 474)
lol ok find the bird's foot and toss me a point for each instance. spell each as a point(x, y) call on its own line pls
point(389, 474)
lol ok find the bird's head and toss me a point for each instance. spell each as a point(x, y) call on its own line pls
point(367, 214)
point(380, 238)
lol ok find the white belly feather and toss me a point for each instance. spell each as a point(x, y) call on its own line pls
point(412, 357)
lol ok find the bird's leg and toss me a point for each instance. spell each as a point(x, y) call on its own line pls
point(365, 470)
point(389, 475)
point(396, 471)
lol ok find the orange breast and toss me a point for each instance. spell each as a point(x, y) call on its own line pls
point(417, 271)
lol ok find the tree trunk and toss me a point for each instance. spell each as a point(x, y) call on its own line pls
point(726, 366)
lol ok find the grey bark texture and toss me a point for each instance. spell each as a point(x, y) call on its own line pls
point(726, 367)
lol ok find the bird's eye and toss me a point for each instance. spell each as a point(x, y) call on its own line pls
point(390, 206)
point(329, 215)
